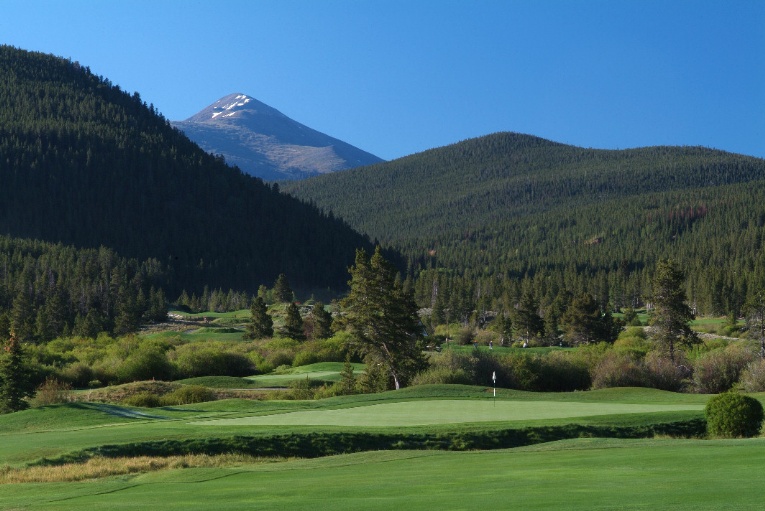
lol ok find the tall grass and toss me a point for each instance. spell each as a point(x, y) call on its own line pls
point(99, 467)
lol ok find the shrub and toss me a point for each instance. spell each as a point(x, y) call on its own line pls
point(187, 395)
point(443, 375)
point(53, 391)
point(78, 374)
point(559, 372)
point(663, 374)
point(280, 358)
point(143, 400)
point(753, 377)
point(732, 415)
point(719, 370)
point(618, 370)
point(304, 358)
point(210, 359)
point(466, 335)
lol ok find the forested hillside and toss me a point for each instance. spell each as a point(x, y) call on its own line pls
point(483, 220)
point(86, 164)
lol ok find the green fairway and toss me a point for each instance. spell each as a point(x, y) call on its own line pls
point(415, 413)
point(572, 475)
point(321, 371)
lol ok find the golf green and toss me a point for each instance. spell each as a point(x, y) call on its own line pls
point(416, 413)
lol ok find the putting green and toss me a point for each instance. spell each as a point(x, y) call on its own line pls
point(418, 413)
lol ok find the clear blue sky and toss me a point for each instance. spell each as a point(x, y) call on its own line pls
point(395, 77)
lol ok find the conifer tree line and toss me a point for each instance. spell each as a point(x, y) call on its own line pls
point(86, 164)
point(48, 290)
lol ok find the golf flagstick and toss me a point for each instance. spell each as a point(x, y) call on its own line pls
point(494, 379)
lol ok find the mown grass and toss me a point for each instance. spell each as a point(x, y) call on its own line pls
point(321, 371)
point(582, 474)
point(77, 427)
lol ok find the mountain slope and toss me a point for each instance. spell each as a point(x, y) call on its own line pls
point(511, 206)
point(264, 142)
point(83, 163)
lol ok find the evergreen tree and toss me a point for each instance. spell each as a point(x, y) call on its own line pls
point(22, 315)
point(383, 319)
point(527, 321)
point(583, 322)
point(322, 321)
point(755, 318)
point(672, 315)
point(14, 381)
point(347, 384)
point(293, 324)
point(261, 325)
point(282, 290)
point(503, 325)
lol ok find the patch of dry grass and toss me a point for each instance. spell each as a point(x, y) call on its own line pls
point(99, 467)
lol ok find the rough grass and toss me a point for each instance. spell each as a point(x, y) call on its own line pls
point(99, 467)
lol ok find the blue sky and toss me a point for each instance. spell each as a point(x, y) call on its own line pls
point(395, 77)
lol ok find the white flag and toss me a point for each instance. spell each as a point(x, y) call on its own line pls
point(494, 376)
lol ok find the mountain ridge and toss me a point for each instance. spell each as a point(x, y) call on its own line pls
point(86, 164)
point(264, 142)
point(509, 211)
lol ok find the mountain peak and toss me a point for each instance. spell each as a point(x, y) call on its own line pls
point(233, 106)
point(265, 143)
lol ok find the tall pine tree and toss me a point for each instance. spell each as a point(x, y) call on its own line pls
point(14, 381)
point(382, 319)
point(672, 315)
point(261, 325)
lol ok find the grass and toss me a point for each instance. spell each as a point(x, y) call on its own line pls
point(582, 474)
point(321, 371)
point(61, 429)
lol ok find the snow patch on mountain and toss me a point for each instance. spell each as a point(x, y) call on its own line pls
point(265, 143)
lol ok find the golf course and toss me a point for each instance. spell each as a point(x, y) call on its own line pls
point(441, 446)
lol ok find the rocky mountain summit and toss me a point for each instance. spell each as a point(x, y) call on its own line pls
point(265, 143)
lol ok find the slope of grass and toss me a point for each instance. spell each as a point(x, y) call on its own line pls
point(321, 371)
point(581, 474)
point(78, 427)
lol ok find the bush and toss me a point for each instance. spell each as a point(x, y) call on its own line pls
point(753, 377)
point(210, 359)
point(560, 372)
point(53, 392)
point(187, 395)
point(443, 375)
point(618, 370)
point(143, 400)
point(304, 358)
point(663, 374)
point(732, 415)
point(719, 370)
point(77, 374)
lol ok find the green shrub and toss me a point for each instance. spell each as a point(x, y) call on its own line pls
point(187, 395)
point(560, 372)
point(304, 358)
point(210, 359)
point(280, 358)
point(77, 374)
point(143, 400)
point(731, 415)
point(443, 375)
